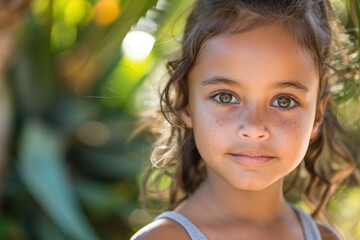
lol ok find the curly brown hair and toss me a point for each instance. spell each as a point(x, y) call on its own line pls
point(177, 168)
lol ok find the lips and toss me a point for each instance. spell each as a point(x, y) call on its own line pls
point(251, 157)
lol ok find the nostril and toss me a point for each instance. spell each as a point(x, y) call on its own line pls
point(253, 135)
point(253, 132)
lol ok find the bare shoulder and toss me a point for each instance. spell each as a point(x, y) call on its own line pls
point(328, 232)
point(161, 229)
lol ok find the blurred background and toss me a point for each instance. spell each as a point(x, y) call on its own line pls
point(74, 76)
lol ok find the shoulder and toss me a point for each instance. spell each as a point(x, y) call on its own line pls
point(161, 229)
point(328, 232)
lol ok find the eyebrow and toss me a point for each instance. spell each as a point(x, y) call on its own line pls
point(287, 84)
point(219, 80)
point(291, 84)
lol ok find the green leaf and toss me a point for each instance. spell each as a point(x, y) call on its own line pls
point(41, 166)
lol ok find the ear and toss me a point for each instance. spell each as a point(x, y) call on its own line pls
point(186, 117)
point(319, 117)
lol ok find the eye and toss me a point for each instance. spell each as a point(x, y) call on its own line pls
point(225, 98)
point(284, 102)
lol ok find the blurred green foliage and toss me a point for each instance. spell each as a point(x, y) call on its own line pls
point(70, 171)
point(71, 99)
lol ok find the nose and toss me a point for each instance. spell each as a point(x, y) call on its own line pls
point(253, 124)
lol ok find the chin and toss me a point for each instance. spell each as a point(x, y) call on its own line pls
point(254, 184)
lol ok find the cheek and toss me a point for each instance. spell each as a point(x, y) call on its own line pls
point(294, 133)
point(222, 120)
point(211, 127)
point(211, 118)
point(289, 127)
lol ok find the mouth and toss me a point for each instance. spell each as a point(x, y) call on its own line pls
point(251, 158)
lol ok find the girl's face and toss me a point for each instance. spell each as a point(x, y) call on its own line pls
point(253, 106)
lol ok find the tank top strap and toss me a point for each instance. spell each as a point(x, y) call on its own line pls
point(309, 226)
point(191, 229)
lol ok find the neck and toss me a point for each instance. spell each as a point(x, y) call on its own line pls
point(227, 203)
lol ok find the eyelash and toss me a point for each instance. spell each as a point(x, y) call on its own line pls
point(293, 104)
point(216, 98)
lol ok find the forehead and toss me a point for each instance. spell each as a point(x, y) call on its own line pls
point(263, 51)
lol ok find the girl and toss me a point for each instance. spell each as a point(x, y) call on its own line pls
point(247, 101)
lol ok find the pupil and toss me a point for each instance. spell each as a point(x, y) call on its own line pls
point(284, 102)
point(225, 98)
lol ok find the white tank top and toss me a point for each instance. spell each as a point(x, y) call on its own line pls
point(309, 226)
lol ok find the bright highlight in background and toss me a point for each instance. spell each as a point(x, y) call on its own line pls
point(137, 45)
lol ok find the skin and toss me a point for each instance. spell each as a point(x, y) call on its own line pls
point(253, 109)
